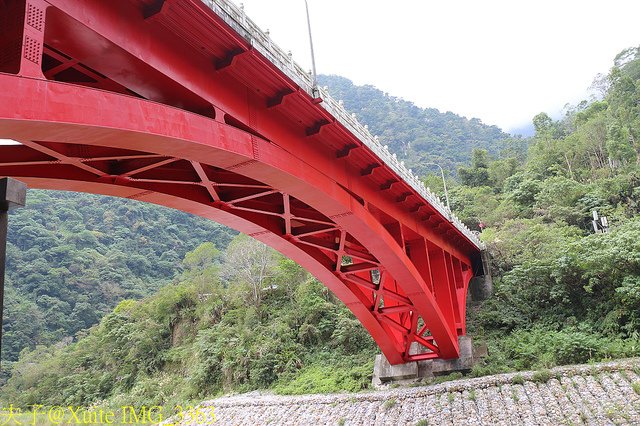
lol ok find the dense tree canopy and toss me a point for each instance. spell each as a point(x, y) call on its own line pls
point(206, 333)
point(72, 257)
point(563, 293)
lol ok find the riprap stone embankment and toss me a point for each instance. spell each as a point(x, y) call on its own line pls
point(600, 394)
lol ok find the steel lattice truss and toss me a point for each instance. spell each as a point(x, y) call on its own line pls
point(163, 102)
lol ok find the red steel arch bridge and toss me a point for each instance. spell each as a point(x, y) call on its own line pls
point(188, 104)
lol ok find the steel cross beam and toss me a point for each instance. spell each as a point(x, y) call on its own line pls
point(170, 105)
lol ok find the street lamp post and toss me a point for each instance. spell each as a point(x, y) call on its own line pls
point(444, 183)
point(13, 194)
point(313, 56)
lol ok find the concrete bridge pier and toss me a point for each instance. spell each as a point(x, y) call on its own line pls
point(481, 286)
point(13, 194)
point(385, 374)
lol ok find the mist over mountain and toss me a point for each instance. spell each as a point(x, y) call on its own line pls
point(525, 130)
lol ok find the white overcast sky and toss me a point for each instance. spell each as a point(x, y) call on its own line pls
point(500, 61)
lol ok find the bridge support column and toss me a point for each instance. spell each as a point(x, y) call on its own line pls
point(385, 374)
point(12, 194)
point(482, 285)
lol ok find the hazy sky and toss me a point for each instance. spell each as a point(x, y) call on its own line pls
point(500, 61)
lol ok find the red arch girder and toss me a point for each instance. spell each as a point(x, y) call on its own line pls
point(92, 151)
point(168, 56)
point(292, 193)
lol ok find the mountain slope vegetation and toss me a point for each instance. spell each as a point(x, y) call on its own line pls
point(72, 257)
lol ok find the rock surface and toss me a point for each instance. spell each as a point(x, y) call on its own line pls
point(599, 394)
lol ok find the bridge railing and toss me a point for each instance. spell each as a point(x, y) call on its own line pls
point(236, 18)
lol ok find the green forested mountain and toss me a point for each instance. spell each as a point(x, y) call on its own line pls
point(242, 317)
point(419, 136)
point(72, 257)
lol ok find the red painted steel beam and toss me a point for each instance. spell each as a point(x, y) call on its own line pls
point(163, 53)
point(225, 147)
point(237, 158)
point(28, 127)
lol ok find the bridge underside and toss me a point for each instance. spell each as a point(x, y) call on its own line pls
point(161, 102)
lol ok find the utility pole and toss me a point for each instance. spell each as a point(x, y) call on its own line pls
point(13, 194)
